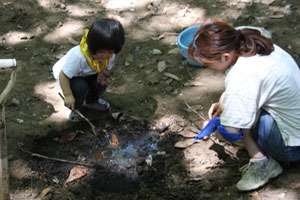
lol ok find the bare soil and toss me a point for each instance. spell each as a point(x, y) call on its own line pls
point(144, 164)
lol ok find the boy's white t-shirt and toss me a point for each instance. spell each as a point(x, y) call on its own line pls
point(269, 82)
point(74, 64)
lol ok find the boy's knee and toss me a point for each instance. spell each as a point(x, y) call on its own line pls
point(79, 86)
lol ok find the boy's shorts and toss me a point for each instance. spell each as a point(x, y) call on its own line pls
point(269, 138)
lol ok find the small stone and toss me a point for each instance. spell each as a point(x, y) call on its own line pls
point(159, 126)
point(62, 6)
point(20, 121)
point(161, 153)
point(137, 48)
point(55, 180)
point(141, 66)
point(156, 51)
point(15, 102)
point(288, 6)
point(149, 160)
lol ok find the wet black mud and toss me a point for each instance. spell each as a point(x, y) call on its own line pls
point(122, 158)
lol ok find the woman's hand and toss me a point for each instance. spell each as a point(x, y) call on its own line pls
point(102, 77)
point(204, 124)
point(70, 102)
point(215, 110)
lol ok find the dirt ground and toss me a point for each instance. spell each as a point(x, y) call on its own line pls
point(132, 156)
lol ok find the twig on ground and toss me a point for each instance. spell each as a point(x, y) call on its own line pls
point(213, 178)
point(55, 159)
point(81, 115)
point(201, 116)
point(189, 73)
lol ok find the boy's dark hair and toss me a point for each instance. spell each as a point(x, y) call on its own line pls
point(105, 34)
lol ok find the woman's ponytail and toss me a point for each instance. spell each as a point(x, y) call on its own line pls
point(253, 43)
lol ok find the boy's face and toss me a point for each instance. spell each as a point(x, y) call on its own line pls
point(102, 55)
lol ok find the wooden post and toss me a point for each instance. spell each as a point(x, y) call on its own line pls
point(4, 175)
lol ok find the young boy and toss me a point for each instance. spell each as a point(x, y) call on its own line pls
point(260, 104)
point(82, 73)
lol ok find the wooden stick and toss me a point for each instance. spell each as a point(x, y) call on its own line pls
point(4, 175)
point(194, 111)
point(55, 159)
point(81, 115)
point(9, 86)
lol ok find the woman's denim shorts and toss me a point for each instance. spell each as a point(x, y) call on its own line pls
point(269, 138)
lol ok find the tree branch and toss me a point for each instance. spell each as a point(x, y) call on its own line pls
point(55, 159)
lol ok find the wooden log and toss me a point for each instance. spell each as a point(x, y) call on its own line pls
point(9, 86)
point(4, 175)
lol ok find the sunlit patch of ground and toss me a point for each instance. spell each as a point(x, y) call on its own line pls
point(49, 92)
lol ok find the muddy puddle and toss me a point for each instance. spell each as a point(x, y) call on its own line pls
point(122, 158)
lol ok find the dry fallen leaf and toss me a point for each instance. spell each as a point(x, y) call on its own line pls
point(45, 192)
point(114, 140)
point(185, 143)
point(295, 185)
point(67, 137)
point(187, 134)
point(161, 66)
point(76, 173)
point(173, 51)
point(171, 76)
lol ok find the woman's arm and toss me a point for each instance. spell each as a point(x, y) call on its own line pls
point(216, 109)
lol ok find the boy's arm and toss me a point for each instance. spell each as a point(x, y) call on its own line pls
point(66, 89)
point(102, 77)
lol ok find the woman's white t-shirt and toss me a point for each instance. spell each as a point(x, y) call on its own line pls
point(269, 82)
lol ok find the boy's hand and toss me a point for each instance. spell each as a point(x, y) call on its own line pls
point(102, 76)
point(70, 102)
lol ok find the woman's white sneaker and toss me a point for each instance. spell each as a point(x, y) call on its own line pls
point(257, 173)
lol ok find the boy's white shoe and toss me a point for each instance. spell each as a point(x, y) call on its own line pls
point(257, 173)
point(75, 117)
point(100, 105)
